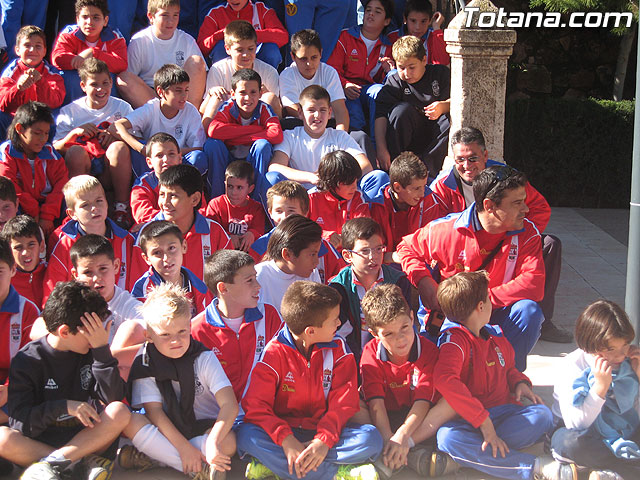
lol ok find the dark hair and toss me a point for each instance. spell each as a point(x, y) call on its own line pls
point(240, 169)
point(91, 245)
point(21, 226)
point(168, 75)
point(315, 92)
point(28, 31)
point(295, 233)
point(6, 255)
point(156, 229)
point(362, 228)
point(305, 38)
point(493, 183)
point(239, 30)
point(223, 265)
point(405, 168)
point(27, 115)
point(388, 6)
point(601, 322)
point(460, 295)
point(422, 6)
point(467, 135)
point(160, 137)
point(290, 190)
point(186, 177)
point(92, 66)
point(382, 305)
point(306, 304)
point(100, 4)
point(68, 303)
point(245, 75)
point(8, 190)
point(335, 168)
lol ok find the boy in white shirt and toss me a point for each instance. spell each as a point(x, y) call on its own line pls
point(82, 135)
point(157, 45)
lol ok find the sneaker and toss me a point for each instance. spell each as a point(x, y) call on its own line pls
point(203, 474)
point(547, 468)
point(41, 471)
point(130, 458)
point(550, 332)
point(419, 460)
point(257, 471)
point(604, 475)
point(384, 472)
point(442, 464)
point(357, 472)
point(97, 468)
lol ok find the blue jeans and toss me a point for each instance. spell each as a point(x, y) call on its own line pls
point(16, 13)
point(123, 15)
point(357, 444)
point(363, 108)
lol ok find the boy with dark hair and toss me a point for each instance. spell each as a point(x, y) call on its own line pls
point(8, 200)
point(162, 246)
point(363, 249)
point(293, 434)
point(65, 391)
point(405, 204)
point(241, 216)
point(89, 38)
point(27, 245)
point(477, 376)
point(412, 108)
point(244, 128)
point(236, 326)
point(270, 33)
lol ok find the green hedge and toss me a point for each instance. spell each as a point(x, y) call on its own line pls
point(576, 152)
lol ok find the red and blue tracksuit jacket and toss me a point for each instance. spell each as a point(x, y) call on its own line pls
point(237, 353)
point(473, 373)
point(264, 19)
point(227, 125)
point(458, 243)
point(39, 188)
point(331, 213)
point(111, 48)
point(287, 390)
point(237, 220)
point(49, 89)
point(433, 43)
point(30, 284)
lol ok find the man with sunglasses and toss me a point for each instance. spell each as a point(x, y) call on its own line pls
point(492, 234)
point(454, 188)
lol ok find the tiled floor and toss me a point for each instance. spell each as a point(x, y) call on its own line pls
point(593, 267)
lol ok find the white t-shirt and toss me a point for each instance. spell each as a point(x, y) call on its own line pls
point(274, 282)
point(467, 191)
point(123, 307)
point(305, 152)
point(368, 43)
point(78, 113)
point(209, 378)
point(186, 126)
point(147, 53)
point(221, 72)
point(292, 83)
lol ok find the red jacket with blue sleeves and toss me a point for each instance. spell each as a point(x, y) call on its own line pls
point(433, 43)
point(264, 19)
point(349, 58)
point(287, 390)
point(17, 314)
point(473, 373)
point(458, 243)
point(447, 187)
point(227, 125)
point(237, 220)
point(237, 353)
point(398, 223)
point(399, 385)
point(331, 213)
point(39, 188)
point(49, 89)
point(111, 48)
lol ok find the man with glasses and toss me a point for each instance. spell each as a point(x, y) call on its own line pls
point(454, 187)
point(492, 234)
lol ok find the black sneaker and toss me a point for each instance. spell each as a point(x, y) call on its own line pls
point(550, 332)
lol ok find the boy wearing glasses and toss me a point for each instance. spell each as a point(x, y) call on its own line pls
point(363, 250)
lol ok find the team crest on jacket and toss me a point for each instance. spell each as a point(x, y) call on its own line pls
point(260, 345)
point(414, 378)
point(14, 332)
point(435, 87)
point(326, 378)
point(180, 58)
point(206, 250)
point(513, 252)
point(500, 357)
point(85, 377)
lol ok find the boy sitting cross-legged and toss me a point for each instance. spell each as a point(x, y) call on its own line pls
point(65, 391)
point(476, 375)
point(301, 395)
point(363, 250)
point(236, 326)
point(188, 401)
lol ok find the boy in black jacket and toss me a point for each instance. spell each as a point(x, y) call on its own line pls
point(64, 391)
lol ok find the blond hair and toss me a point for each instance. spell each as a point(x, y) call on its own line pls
point(239, 30)
point(164, 303)
point(382, 305)
point(154, 5)
point(76, 185)
point(408, 47)
point(460, 295)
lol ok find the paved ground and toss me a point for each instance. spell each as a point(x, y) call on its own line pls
point(594, 265)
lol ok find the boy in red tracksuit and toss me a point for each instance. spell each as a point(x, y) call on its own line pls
point(362, 70)
point(302, 393)
point(271, 34)
point(476, 375)
point(242, 217)
point(89, 38)
point(337, 199)
point(405, 204)
point(244, 128)
point(235, 325)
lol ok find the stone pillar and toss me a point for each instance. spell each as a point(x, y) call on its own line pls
point(479, 76)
